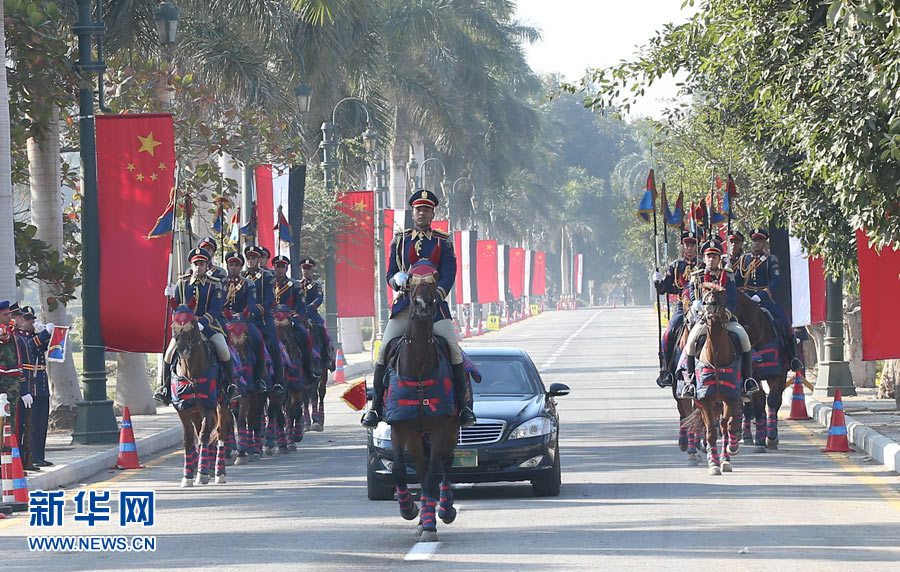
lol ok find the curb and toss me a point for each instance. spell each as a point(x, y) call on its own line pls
point(89, 466)
point(882, 449)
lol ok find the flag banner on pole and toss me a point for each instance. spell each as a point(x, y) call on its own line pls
point(234, 236)
point(579, 273)
point(486, 271)
point(529, 262)
point(284, 236)
point(283, 227)
point(135, 178)
point(265, 209)
point(676, 216)
point(502, 265)
point(441, 225)
point(464, 244)
point(539, 278)
point(354, 263)
point(879, 282)
point(387, 238)
point(166, 222)
point(807, 286)
point(516, 275)
point(56, 349)
point(249, 229)
point(648, 200)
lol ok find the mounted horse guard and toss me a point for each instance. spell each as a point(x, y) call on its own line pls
point(313, 297)
point(262, 317)
point(409, 248)
point(210, 245)
point(675, 282)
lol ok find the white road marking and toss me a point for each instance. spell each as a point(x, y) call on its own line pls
point(629, 372)
point(568, 340)
point(421, 551)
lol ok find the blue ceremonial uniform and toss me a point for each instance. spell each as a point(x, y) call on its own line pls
point(313, 296)
point(411, 246)
point(264, 289)
point(217, 272)
point(759, 274)
point(731, 294)
point(676, 280)
point(207, 292)
point(240, 295)
point(34, 365)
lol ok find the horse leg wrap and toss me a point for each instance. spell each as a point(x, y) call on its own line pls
point(746, 430)
point(206, 459)
point(682, 436)
point(270, 432)
point(230, 444)
point(404, 498)
point(427, 517)
point(712, 454)
point(446, 500)
point(298, 430)
point(772, 428)
point(692, 442)
point(221, 453)
point(190, 464)
point(282, 437)
point(306, 416)
point(760, 432)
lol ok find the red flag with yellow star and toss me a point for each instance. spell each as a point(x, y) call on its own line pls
point(516, 275)
point(486, 271)
point(135, 178)
point(354, 260)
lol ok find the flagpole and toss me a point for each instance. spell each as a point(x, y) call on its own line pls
point(662, 364)
point(666, 244)
point(730, 198)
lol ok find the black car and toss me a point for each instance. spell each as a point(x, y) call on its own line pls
point(516, 437)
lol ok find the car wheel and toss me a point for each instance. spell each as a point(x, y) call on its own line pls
point(375, 489)
point(549, 486)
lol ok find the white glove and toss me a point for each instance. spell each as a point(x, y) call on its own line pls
point(400, 280)
point(49, 326)
point(39, 327)
point(170, 291)
point(756, 298)
point(200, 325)
point(27, 400)
point(696, 305)
point(657, 277)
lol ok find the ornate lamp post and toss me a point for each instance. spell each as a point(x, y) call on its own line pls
point(379, 167)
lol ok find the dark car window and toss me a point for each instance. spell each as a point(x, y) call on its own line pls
point(503, 376)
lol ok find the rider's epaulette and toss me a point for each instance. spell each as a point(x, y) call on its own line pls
point(403, 232)
point(698, 272)
point(440, 233)
point(213, 278)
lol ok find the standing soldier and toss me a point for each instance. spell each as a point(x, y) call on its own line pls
point(407, 248)
point(209, 245)
point(240, 295)
point(206, 292)
point(33, 425)
point(757, 274)
point(12, 378)
point(676, 280)
point(265, 302)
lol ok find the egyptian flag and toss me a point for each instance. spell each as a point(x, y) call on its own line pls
point(283, 227)
point(464, 242)
point(879, 282)
point(807, 286)
point(529, 263)
point(648, 201)
point(502, 266)
point(486, 271)
point(579, 272)
point(539, 277)
point(265, 207)
point(59, 339)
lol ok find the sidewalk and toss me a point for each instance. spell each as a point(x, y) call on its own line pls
point(152, 433)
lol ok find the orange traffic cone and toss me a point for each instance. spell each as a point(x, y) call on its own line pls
point(798, 400)
point(480, 328)
point(837, 432)
point(467, 332)
point(128, 457)
point(339, 367)
point(15, 487)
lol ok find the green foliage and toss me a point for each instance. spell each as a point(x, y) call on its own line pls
point(37, 261)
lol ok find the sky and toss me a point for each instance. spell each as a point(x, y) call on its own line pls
point(582, 34)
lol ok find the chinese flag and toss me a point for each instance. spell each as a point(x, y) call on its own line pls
point(516, 275)
point(879, 282)
point(354, 259)
point(539, 277)
point(135, 176)
point(265, 209)
point(388, 237)
point(486, 270)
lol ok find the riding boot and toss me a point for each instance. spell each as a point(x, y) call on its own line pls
point(689, 389)
point(164, 393)
point(228, 380)
point(750, 385)
point(460, 387)
point(373, 415)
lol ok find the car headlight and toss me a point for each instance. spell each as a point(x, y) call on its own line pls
point(381, 435)
point(532, 428)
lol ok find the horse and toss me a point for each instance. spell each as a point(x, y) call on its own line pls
point(718, 373)
point(293, 375)
point(196, 397)
point(687, 439)
point(248, 409)
point(420, 373)
point(768, 364)
point(320, 363)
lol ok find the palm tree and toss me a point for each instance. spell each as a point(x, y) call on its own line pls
point(7, 250)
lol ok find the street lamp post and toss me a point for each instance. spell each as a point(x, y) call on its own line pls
point(94, 418)
point(381, 191)
point(834, 371)
point(329, 165)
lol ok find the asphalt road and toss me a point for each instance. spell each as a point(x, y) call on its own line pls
point(629, 499)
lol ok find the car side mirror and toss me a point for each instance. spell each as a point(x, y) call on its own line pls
point(558, 390)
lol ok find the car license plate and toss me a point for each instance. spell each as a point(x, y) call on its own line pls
point(465, 458)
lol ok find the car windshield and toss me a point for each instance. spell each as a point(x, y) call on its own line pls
point(503, 376)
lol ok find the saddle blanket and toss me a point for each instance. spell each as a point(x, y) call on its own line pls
point(767, 359)
point(402, 399)
point(186, 393)
point(711, 379)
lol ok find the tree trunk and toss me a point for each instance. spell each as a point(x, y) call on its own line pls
point(46, 214)
point(862, 372)
point(7, 244)
point(890, 377)
point(133, 384)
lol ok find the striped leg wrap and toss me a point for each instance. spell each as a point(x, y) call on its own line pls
point(322, 413)
point(298, 430)
point(747, 431)
point(772, 428)
point(446, 499)
point(404, 498)
point(241, 440)
point(270, 433)
point(427, 516)
point(206, 459)
point(692, 442)
point(282, 437)
point(682, 434)
point(257, 443)
point(190, 464)
point(306, 415)
point(712, 454)
point(733, 440)
point(221, 453)
point(230, 444)
point(760, 432)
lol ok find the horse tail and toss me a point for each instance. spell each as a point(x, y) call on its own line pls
point(694, 421)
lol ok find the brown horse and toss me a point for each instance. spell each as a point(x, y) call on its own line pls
point(415, 356)
point(293, 377)
point(196, 398)
point(718, 380)
point(762, 338)
point(687, 439)
point(248, 408)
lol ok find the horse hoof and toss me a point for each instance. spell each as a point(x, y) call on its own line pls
point(201, 480)
point(220, 479)
point(693, 459)
point(252, 458)
point(428, 536)
point(760, 449)
point(448, 515)
point(411, 514)
point(683, 444)
point(772, 443)
point(726, 467)
point(270, 451)
point(292, 447)
point(748, 440)
point(186, 482)
point(229, 462)
point(734, 450)
point(715, 470)
point(306, 425)
point(316, 427)
point(241, 461)
point(284, 450)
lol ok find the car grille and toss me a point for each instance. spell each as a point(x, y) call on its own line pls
point(482, 433)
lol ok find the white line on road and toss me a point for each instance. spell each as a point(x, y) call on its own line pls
point(421, 551)
point(565, 344)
